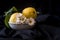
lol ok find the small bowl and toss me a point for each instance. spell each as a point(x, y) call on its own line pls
point(20, 26)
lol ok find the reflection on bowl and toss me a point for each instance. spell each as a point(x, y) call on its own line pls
point(20, 26)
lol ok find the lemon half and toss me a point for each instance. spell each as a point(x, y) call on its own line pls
point(13, 18)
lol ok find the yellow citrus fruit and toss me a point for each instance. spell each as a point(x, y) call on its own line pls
point(13, 17)
point(29, 12)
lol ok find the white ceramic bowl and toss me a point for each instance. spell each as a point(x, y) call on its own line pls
point(20, 26)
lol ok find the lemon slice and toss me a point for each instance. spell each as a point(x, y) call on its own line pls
point(31, 21)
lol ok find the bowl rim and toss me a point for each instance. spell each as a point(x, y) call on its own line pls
point(16, 23)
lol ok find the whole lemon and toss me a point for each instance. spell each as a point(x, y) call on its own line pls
point(13, 17)
point(29, 12)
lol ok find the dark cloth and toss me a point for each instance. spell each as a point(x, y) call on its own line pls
point(46, 28)
point(43, 30)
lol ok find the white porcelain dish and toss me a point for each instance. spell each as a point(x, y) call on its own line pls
point(19, 26)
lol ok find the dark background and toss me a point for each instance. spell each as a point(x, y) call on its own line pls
point(48, 29)
point(41, 5)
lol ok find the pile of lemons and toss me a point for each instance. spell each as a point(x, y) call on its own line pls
point(28, 12)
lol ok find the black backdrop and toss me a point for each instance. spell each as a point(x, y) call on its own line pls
point(49, 29)
point(43, 5)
